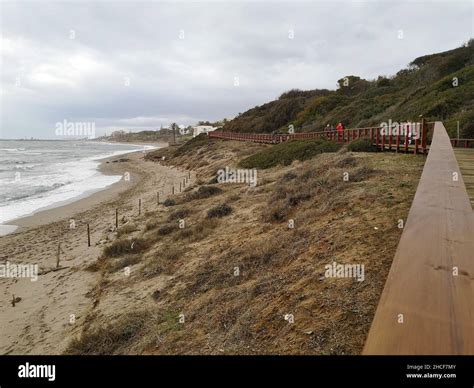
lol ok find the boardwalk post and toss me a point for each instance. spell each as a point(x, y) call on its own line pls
point(424, 135)
point(406, 137)
point(88, 236)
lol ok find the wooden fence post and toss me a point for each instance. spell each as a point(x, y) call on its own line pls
point(58, 255)
point(139, 206)
point(88, 236)
point(116, 218)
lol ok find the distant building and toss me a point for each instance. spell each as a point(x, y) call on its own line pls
point(185, 130)
point(198, 129)
point(119, 133)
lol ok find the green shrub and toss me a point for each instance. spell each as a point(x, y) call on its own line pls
point(362, 145)
point(286, 153)
point(179, 214)
point(166, 229)
point(169, 202)
point(219, 211)
point(204, 192)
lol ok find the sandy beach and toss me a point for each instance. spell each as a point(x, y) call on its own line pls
point(48, 311)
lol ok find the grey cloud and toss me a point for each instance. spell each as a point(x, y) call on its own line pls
point(186, 80)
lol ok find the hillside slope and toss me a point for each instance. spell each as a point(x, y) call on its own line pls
point(438, 86)
point(224, 283)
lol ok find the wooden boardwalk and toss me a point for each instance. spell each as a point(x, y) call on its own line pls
point(401, 142)
point(427, 305)
point(465, 158)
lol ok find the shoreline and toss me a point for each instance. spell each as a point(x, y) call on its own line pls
point(40, 323)
point(80, 203)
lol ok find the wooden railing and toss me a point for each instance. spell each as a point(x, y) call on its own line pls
point(427, 305)
point(400, 142)
point(464, 143)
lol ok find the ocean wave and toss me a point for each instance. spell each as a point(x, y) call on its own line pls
point(26, 166)
point(60, 178)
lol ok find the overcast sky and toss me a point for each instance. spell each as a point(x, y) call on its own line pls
point(138, 65)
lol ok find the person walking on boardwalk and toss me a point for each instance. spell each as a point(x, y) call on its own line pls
point(340, 130)
point(327, 130)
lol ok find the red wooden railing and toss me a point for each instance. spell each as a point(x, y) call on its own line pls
point(398, 142)
point(464, 143)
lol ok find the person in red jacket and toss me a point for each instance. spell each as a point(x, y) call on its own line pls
point(340, 130)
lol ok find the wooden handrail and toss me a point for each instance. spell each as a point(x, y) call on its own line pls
point(397, 141)
point(427, 305)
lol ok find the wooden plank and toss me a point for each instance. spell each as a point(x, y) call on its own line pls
point(437, 307)
point(465, 158)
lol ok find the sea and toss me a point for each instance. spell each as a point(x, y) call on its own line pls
point(40, 174)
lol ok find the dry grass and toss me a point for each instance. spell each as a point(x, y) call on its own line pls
point(120, 263)
point(162, 261)
point(123, 246)
point(125, 332)
point(237, 276)
point(126, 229)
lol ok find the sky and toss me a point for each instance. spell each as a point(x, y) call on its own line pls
point(142, 64)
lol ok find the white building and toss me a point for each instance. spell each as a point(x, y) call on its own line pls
point(184, 130)
point(198, 129)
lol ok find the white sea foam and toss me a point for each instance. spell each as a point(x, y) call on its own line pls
point(75, 179)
